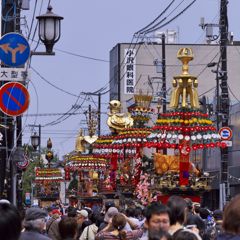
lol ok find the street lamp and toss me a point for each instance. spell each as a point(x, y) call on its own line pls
point(49, 29)
point(35, 141)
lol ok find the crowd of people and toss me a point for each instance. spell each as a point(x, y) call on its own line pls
point(178, 219)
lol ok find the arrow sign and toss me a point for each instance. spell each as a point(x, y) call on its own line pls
point(14, 99)
point(14, 49)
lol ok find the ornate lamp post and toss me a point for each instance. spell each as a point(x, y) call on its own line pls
point(49, 29)
point(35, 141)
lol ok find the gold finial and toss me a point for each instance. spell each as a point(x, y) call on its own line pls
point(79, 146)
point(185, 85)
point(118, 121)
point(185, 55)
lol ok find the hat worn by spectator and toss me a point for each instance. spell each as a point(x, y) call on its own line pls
point(4, 201)
point(34, 214)
point(56, 211)
point(112, 211)
point(83, 212)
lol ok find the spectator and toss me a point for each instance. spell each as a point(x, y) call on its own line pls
point(34, 224)
point(68, 228)
point(130, 212)
point(115, 230)
point(112, 211)
point(109, 204)
point(52, 225)
point(90, 231)
point(72, 212)
point(231, 220)
point(185, 234)
point(189, 205)
point(178, 209)
point(196, 208)
point(82, 220)
point(10, 221)
point(157, 218)
point(139, 213)
point(218, 218)
point(197, 223)
point(159, 235)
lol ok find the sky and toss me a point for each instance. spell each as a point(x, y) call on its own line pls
point(91, 29)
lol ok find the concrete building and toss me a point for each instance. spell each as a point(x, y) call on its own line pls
point(133, 68)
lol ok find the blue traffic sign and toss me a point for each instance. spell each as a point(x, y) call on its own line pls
point(14, 99)
point(225, 133)
point(14, 49)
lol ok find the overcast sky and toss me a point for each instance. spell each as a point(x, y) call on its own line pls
point(92, 28)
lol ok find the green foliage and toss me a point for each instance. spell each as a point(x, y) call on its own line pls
point(73, 185)
point(29, 174)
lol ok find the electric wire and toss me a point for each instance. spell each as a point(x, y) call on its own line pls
point(53, 85)
point(33, 17)
point(61, 119)
point(233, 94)
point(81, 56)
point(161, 21)
point(35, 29)
point(209, 90)
point(206, 66)
point(160, 15)
point(172, 19)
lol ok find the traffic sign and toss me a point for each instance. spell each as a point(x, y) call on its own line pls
point(225, 133)
point(14, 74)
point(14, 49)
point(14, 99)
point(228, 143)
point(24, 164)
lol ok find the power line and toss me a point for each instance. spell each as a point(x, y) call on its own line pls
point(172, 19)
point(169, 5)
point(233, 94)
point(81, 56)
point(60, 89)
point(53, 114)
point(157, 24)
point(33, 17)
point(61, 119)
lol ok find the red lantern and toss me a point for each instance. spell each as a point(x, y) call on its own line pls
point(188, 149)
point(201, 146)
point(223, 145)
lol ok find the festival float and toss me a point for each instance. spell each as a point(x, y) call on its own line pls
point(130, 142)
point(48, 179)
point(183, 131)
point(83, 170)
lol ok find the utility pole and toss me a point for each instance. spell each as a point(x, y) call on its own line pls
point(164, 94)
point(99, 108)
point(99, 114)
point(10, 23)
point(224, 101)
point(164, 102)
